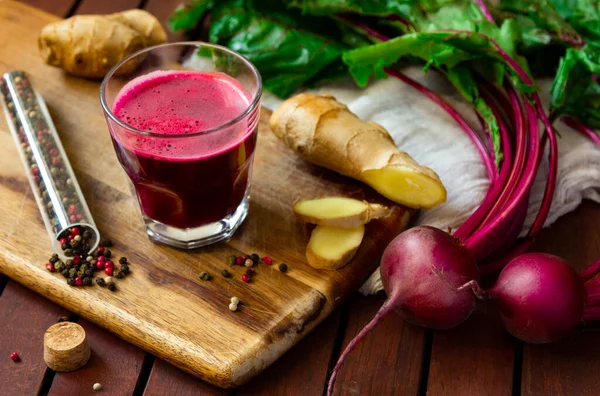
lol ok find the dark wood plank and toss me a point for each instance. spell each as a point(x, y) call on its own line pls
point(301, 371)
point(57, 7)
point(569, 366)
point(166, 379)
point(387, 361)
point(114, 363)
point(25, 316)
point(475, 358)
point(105, 7)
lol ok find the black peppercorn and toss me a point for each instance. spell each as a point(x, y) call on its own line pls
point(65, 246)
point(69, 252)
point(283, 267)
point(106, 242)
point(125, 269)
point(254, 257)
point(54, 258)
point(69, 263)
point(231, 260)
point(107, 253)
point(123, 260)
point(118, 274)
point(226, 273)
point(71, 282)
point(87, 281)
point(100, 281)
point(88, 272)
point(205, 276)
point(59, 266)
point(249, 272)
point(87, 234)
point(111, 286)
point(72, 273)
point(65, 273)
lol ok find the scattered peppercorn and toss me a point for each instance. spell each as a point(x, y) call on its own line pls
point(69, 264)
point(231, 260)
point(109, 264)
point(50, 267)
point(59, 266)
point(108, 271)
point(233, 307)
point(108, 279)
point(15, 357)
point(87, 281)
point(106, 242)
point(65, 273)
point(111, 286)
point(118, 274)
point(107, 253)
point(123, 260)
point(254, 257)
point(267, 260)
point(246, 278)
point(250, 271)
point(79, 281)
point(283, 267)
point(226, 274)
point(54, 258)
point(100, 281)
point(235, 300)
point(248, 263)
point(205, 276)
point(125, 269)
point(71, 282)
point(72, 273)
point(239, 260)
point(88, 273)
point(97, 386)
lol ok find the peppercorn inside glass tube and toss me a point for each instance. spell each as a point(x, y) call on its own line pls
point(183, 118)
point(61, 202)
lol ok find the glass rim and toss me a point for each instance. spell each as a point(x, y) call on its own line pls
point(251, 107)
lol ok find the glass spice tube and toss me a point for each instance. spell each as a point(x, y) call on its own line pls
point(52, 180)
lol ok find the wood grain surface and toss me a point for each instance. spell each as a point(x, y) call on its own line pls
point(163, 307)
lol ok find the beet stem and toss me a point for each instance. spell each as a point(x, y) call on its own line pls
point(591, 272)
point(475, 288)
point(582, 129)
point(387, 307)
point(485, 11)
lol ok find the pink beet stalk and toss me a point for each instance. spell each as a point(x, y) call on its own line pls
point(582, 129)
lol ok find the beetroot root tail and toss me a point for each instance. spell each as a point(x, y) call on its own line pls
point(386, 308)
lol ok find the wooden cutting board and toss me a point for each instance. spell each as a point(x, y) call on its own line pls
point(162, 306)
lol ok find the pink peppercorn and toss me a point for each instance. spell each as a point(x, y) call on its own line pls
point(72, 209)
point(72, 218)
point(267, 260)
point(50, 267)
point(79, 281)
point(75, 231)
point(101, 259)
point(15, 357)
point(76, 259)
point(54, 152)
point(62, 241)
point(109, 264)
point(100, 249)
point(108, 271)
point(70, 237)
point(246, 278)
point(100, 265)
point(79, 216)
point(239, 260)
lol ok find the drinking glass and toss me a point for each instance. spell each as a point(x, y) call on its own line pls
point(192, 187)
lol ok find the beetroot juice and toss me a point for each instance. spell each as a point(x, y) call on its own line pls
point(192, 165)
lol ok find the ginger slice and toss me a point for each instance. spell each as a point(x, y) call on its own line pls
point(339, 212)
point(331, 248)
point(325, 132)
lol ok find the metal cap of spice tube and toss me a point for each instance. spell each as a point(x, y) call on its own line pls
point(50, 175)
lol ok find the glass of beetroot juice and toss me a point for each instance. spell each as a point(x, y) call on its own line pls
point(183, 119)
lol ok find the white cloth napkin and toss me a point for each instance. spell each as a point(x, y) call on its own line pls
point(432, 138)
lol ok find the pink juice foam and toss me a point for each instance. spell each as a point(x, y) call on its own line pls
point(182, 178)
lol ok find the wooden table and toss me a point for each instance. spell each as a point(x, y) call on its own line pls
point(478, 358)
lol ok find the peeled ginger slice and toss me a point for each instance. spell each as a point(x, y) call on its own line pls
point(331, 248)
point(339, 212)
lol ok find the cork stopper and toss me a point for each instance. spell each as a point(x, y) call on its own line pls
point(66, 347)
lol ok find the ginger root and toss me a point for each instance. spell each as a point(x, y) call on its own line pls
point(331, 248)
point(90, 45)
point(338, 212)
point(325, 132)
